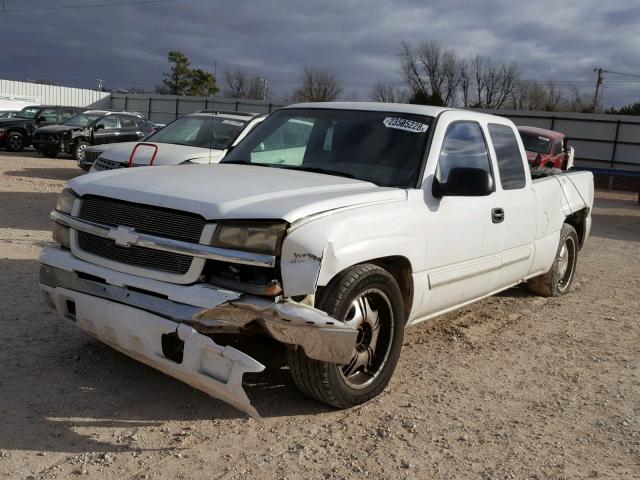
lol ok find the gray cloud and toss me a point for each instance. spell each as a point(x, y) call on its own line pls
point(359, 39)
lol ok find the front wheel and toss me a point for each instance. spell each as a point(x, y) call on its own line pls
point(368, 298)
point(78, 151)
point(557, 281)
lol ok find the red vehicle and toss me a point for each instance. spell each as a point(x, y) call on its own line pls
point(546, 148)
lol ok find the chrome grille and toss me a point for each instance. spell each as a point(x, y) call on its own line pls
point(106, 164)
point(136, 256)
point(161, 222)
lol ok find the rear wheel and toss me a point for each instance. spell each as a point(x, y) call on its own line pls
point(368, 298)
point(78, 151)
point(557, 281)
point(15, 142)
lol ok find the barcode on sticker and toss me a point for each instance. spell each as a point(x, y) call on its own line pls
point(405, 124)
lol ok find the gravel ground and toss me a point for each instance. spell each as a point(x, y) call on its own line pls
point(513, 387)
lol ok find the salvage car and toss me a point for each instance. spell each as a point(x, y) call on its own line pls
point(93, 127)
point(17, 132)
point(546, 148)
point(201, 137)
point(382, 217)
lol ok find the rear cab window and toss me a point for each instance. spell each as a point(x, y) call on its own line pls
point(508, 156)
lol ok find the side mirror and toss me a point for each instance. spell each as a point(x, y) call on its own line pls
point(464, 182)
point(100, 126)
point(41, 118)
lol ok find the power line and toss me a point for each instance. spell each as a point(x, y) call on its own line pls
point(92, 5)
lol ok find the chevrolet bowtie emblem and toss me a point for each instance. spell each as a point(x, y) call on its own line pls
point(123, 236)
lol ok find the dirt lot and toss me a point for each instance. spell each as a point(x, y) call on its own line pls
point(513, 387)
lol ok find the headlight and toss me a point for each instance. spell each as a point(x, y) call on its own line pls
point(251, 237)
point(65, 201)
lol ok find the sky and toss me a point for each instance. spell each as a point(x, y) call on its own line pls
point(127, 45)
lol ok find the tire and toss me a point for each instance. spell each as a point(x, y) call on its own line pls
point(362, 288)
point(15, 142)
point(78, 150)
point(557, 281)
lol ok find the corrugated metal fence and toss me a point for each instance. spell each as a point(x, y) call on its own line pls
point(600, 141)
point(166, 108)
point(54, 95)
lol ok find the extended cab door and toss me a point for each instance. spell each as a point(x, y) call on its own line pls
point(462, 258)
point(514, 226)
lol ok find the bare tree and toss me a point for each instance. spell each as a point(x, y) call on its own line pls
point(578, 102)
point(243, 86)
point(384, 92)
point(464, 71)
point(530, 95)
point(317, 85)
point(494, 82)
point(432, 73)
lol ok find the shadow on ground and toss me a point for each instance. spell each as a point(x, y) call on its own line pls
point(46, 173)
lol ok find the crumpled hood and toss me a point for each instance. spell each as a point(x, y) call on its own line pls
point(57, 129)
point(225, 191)
point(168, 154)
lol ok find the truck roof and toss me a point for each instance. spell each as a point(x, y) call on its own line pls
point(428, 110)
point(542, 132)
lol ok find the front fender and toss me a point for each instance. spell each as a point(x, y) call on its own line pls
point(315, 252)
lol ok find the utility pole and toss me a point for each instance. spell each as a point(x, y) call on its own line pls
point(100, 83)
point(599, 82)
point(265, 87)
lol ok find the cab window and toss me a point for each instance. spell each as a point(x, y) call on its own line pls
point(127, 122)
point(49, 114)
point(110, 122)
point(463, 146)
point(508, 157)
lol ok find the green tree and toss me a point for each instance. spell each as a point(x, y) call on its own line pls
point(201, 83)
point(631, 109)
point(178, 79)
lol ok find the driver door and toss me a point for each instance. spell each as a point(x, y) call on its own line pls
point(462, 259)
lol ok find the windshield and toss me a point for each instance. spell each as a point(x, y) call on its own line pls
point(380, 147)
point(82, 120)
point(536, 143)
point(28, 112)
point(200, 131)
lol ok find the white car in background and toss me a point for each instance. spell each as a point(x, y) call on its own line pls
point(201, 137)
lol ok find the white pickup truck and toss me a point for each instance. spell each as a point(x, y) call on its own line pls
point(332, 240)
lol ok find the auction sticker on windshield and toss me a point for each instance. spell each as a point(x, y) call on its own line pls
point(232, 122)
point(405, 124)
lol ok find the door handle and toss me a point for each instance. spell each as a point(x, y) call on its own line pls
point(497, 215)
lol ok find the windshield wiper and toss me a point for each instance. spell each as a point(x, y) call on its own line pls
point(324, 171)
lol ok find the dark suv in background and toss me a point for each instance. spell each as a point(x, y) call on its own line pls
point(17, 132)
point(93, 127)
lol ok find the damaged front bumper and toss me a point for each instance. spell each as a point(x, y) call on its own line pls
point(132, 314)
